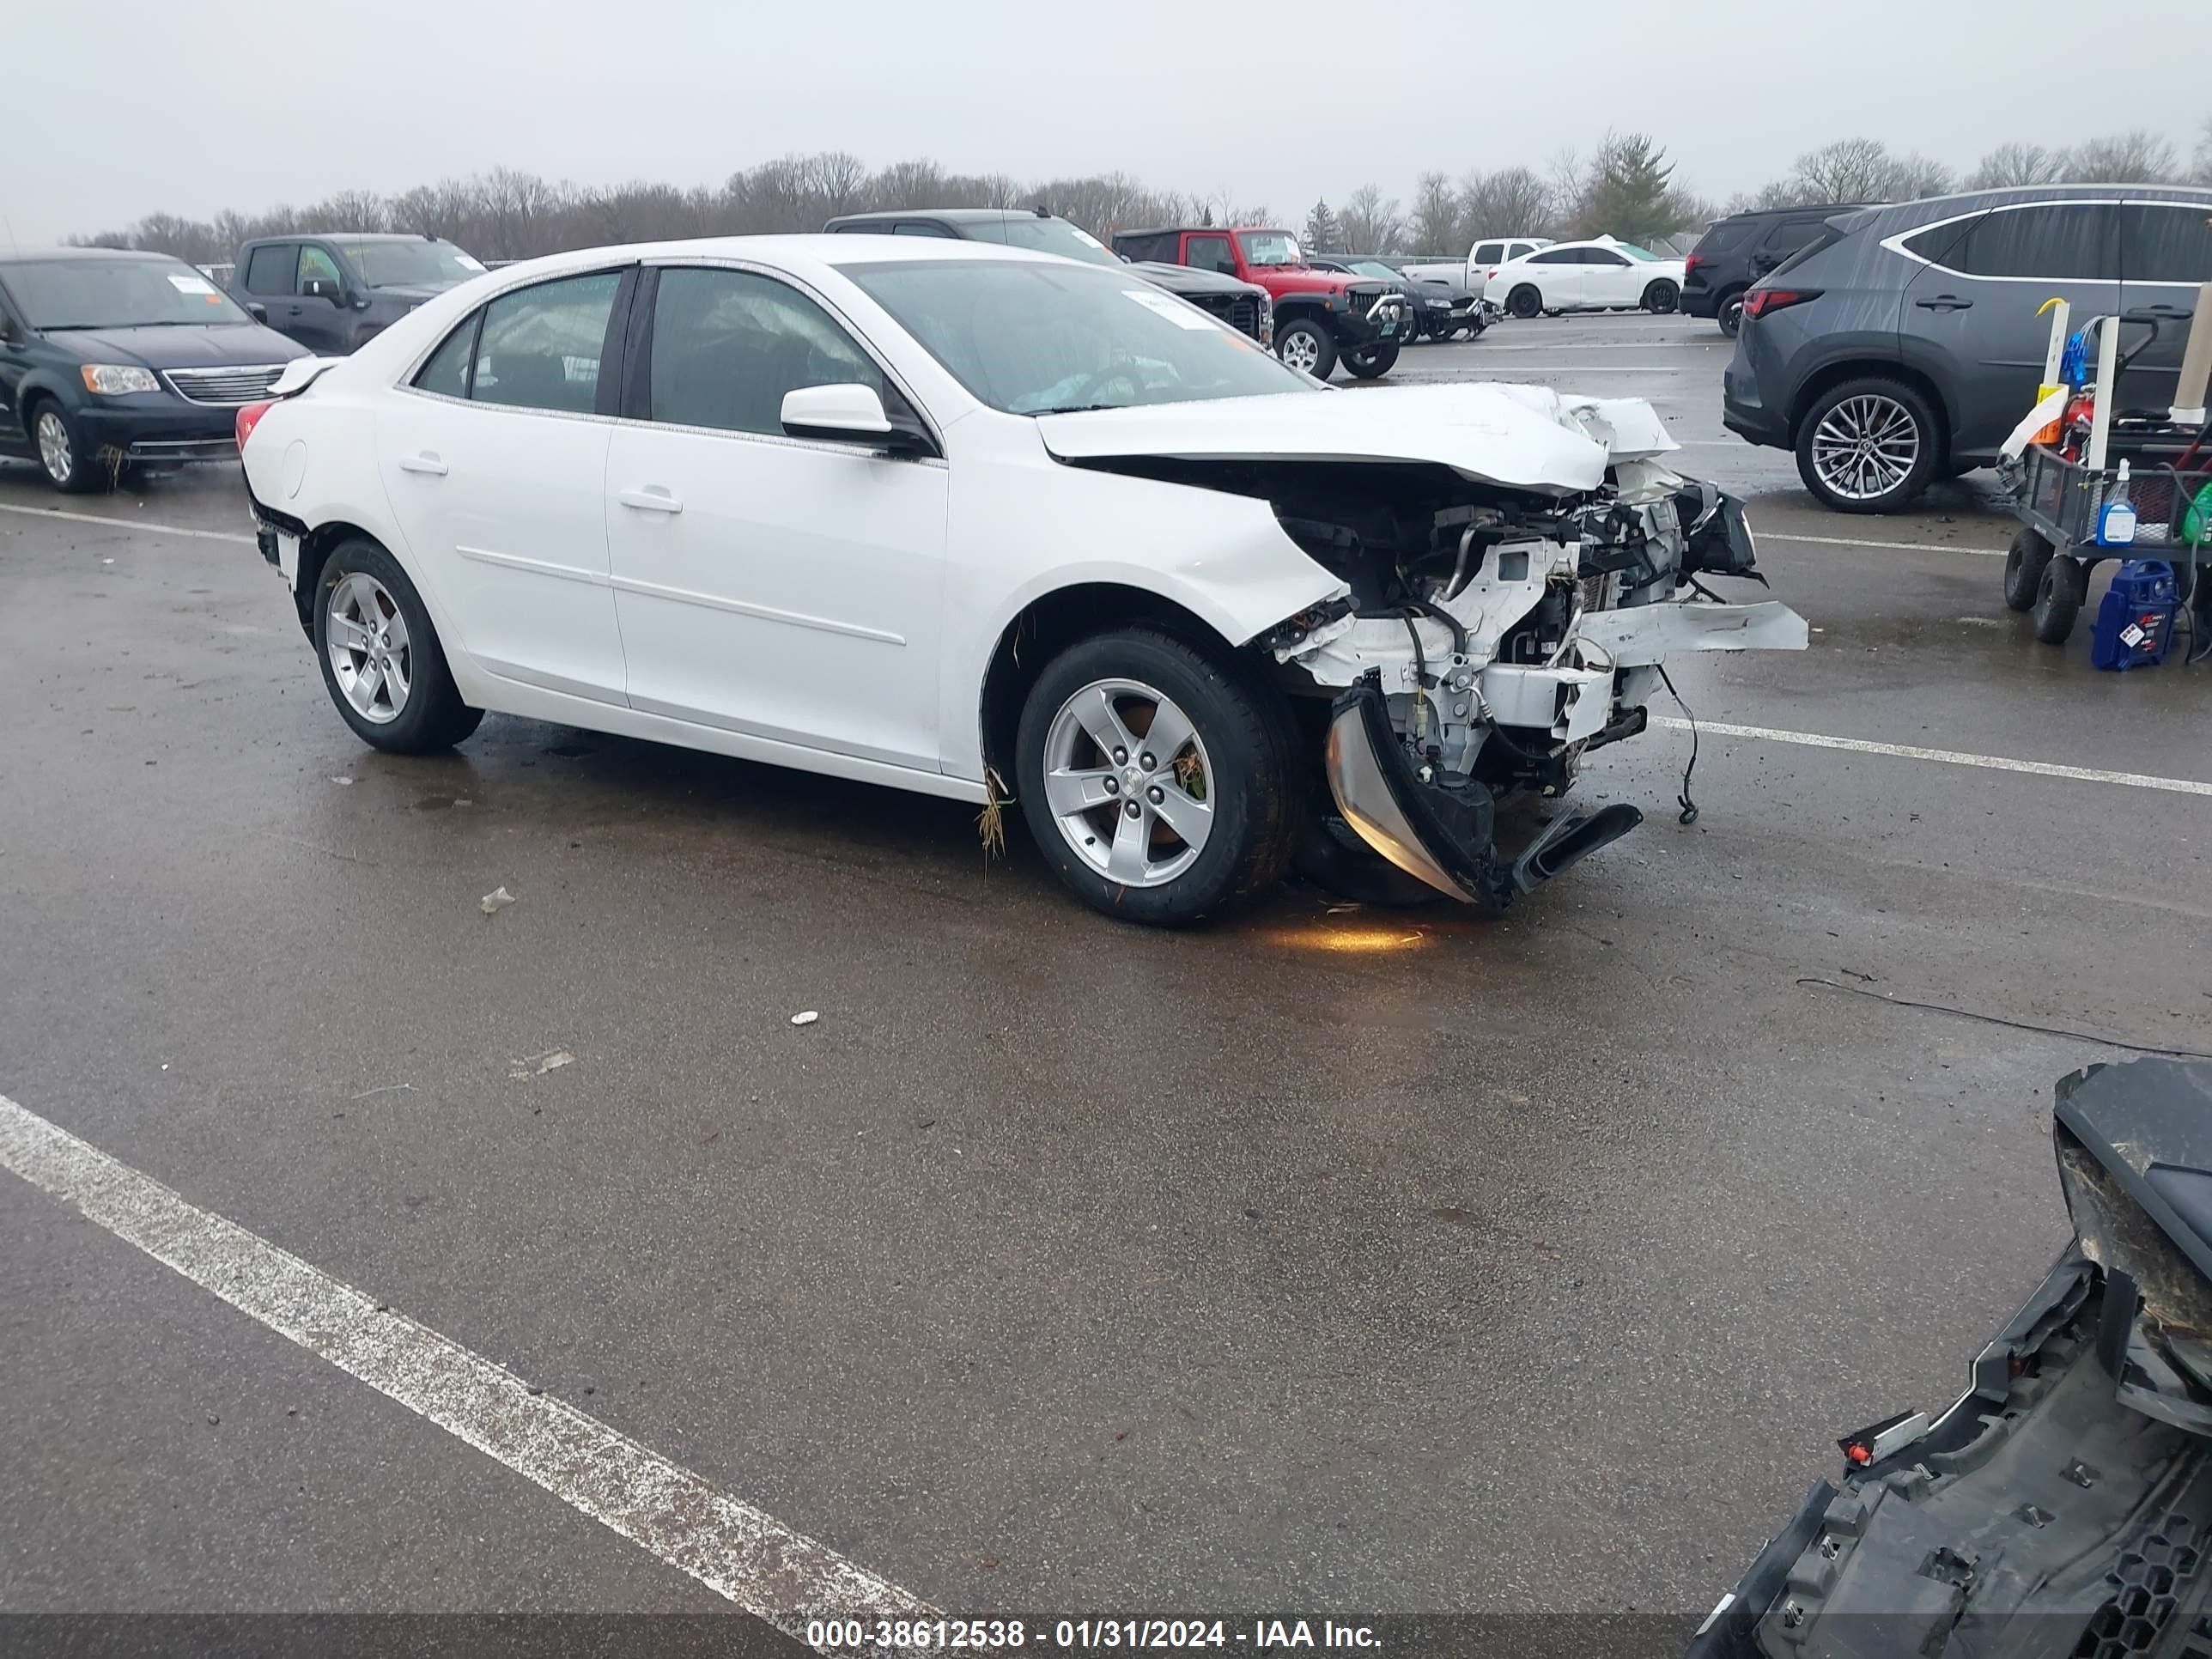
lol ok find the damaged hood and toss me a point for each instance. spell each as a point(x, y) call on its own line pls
point(1518, 437)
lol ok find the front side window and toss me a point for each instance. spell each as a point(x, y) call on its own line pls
point(269, 270)
point(1271, 248)
point(922, 227)
point(317, 266)
point(2166, 242)
point(447, 372)
point(1035, 339)
point(728, 344)
point(1486, 253)
point(1606, 255)
point(541, 346)
point(151, 292)
point(1212, 253)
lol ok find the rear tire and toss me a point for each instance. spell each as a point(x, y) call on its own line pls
point(2058, 598)
point(2025, 562)
point(430, 714)
point(1730, 315)
point(1904, 442)
point(1304, 344)
point(1239, 737)
point(1661, 298)
point(1525, 301)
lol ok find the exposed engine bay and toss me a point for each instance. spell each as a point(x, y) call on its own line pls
point(1493, 638)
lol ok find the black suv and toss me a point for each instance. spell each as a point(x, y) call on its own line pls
point(333, 293)
point(1904, 343)
point(1244, 306)
point(1737, 251)
point(110, 358)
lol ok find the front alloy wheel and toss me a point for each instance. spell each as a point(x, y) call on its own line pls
point(1127, 780)
point(61, 457)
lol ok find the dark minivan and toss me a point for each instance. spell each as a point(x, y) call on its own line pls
point(333, 294)
point(1737, 251)
point(1904, 343)
point(110, 358)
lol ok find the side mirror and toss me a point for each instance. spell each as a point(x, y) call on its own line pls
point(318, 289)
point(256, 310)
point(852, 414)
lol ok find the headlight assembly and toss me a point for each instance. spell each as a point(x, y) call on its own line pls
point(114, 380)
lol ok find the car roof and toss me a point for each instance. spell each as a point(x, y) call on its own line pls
point(801, 253)
point(950, 215)
point(1792, 212)
point(24, 256)
point(1928, 208)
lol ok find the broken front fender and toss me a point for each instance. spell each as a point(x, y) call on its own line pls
point(1438, 831)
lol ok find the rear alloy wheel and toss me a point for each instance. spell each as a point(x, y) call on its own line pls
point(1731, 314)
point(1372, 362)
point(1525, 301)
point(2024, 565)
point(1868, 446)
point(61, 455)
point(382, 664)
point(2058, 598)
point(1661, 297)
point(1304, 345)
point(1154, 780)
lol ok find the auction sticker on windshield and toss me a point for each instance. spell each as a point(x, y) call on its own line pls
point(185, 283)
point(1174, 310)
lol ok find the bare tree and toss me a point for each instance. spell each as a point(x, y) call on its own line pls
point(1848, 170)
point(2138, 157)
point(1433, 227)
point(1510, 202)
point(2201, 171)
point(1372, 224)
point(2010, 165)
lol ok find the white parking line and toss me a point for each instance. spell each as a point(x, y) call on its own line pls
point(1894, 547)
point(738, 1552)
point(1948, 756)
point(126, 524)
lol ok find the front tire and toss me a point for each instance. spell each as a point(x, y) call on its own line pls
point(58, 442)
point(1138, 831)
point(1304, 344)
point(1372, 362)
point(1661, 298)
point(382, 663)
point(1869, 446)
point(1525, 301)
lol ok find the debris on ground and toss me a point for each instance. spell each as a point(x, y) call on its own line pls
point(806, 1017)
point(342, 779)
point(530, 1065)
point(495, 901)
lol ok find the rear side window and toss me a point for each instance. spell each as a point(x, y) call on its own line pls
point(1720, 238)
point(446, 374)
point(2061, 241)
point(541, 346)
point(922, 227)
point(2165, 242)
point(1791, 235)
point(728, 344)
point(269, 270)
point(1557, 255)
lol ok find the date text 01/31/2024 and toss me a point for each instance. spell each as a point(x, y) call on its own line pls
point(987, 1635)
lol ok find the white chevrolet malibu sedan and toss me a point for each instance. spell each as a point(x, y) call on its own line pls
point(994, 525)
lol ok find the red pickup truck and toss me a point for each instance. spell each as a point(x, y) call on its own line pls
point(1319, 315)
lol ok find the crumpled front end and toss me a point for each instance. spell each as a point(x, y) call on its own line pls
point(1492, 639)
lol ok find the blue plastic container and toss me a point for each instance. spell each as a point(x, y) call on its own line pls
point(2134, 622)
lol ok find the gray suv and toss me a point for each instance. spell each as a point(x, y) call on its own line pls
point(1903, 342)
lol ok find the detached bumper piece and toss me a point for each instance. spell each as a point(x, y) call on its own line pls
point(1443, 834)
point(2063, 1507)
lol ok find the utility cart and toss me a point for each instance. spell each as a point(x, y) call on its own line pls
point(2086, 457)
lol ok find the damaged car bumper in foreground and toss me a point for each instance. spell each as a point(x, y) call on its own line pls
point(2063, 1506)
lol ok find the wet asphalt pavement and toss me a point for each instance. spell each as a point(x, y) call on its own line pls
point(1346, 1262)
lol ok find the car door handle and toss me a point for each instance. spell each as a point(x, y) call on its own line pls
point(427, 464)
point(653, 498)
point(1945, 303)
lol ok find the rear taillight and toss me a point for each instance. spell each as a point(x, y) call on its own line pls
point(249, 417)
point(1691, 263)
point(1761, 300)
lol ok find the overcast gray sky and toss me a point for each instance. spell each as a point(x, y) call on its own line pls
point(190, 105)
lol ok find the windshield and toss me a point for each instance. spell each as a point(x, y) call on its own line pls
point(1270, 247)
point(1058, 236)
point(148, 293)
point(1035, 339)
point(1376, 268)
point(1634, 252)
point(410, 264)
